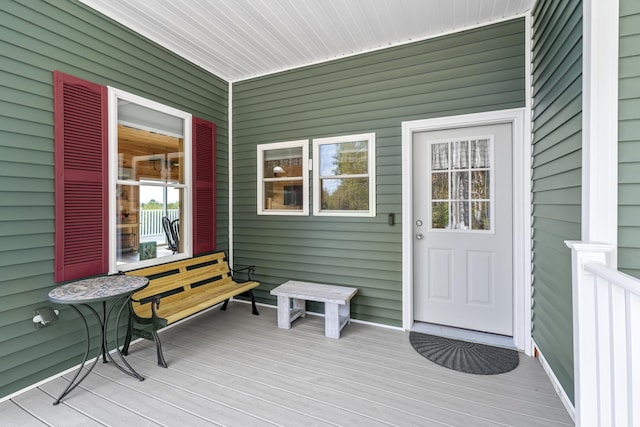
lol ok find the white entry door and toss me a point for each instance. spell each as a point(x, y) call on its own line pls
point(462, 231)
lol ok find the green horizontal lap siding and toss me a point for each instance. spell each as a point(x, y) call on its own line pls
point(629, 139)
point(35, 39)
point(557, 176)
point(479, 70)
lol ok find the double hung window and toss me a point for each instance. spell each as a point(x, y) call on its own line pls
point(283, 178)
point(344, 178)
point(150, 174)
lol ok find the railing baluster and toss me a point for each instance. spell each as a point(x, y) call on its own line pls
point(632, 303)
point(606, 340)
point(618, 356)
point(602, 314)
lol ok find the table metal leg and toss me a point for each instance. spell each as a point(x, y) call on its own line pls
point(81, 374)
point(73, 384)
point(128, 370)
point(103, 344)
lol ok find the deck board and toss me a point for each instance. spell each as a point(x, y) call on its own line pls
point(40, 405)
point(400, 363)
point(371, 379)
point(234, 369)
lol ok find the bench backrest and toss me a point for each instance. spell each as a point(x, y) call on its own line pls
point(190, 275)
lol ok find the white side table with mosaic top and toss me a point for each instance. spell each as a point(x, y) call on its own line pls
point(118, 288)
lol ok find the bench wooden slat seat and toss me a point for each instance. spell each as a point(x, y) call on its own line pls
point(180, 289)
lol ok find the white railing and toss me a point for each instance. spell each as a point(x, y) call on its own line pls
point(151, 221)
point(606, 328)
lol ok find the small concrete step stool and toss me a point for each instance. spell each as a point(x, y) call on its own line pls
point(336, 299)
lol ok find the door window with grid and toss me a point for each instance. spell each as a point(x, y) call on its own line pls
point(461, 191)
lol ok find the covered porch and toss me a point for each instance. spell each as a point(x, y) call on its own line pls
point(232, 368)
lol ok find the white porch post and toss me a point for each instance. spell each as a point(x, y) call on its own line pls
point(600, 124)
point(599, 216)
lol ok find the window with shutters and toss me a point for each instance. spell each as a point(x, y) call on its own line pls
point(123, 164)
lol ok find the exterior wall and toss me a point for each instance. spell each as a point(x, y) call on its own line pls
point(557, 169)
point(472, 71)
point(629, 139)
point(37, 38)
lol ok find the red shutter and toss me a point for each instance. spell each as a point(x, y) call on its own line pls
point(204, 186)
point(81, 177)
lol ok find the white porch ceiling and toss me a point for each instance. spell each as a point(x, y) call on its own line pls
point(241, 39)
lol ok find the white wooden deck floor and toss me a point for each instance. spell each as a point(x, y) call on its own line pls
point(234, 369)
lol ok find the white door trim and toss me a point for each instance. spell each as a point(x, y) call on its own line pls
point(521, 213)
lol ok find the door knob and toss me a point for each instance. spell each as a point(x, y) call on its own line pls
point(419, 236)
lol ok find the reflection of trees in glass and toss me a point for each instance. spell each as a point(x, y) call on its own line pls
point(460, 215)
point(460, 188)
point(346, 192)
point(440, 215)
point(440, 186)
point(480, 216)
point(350, 158)
point(480, 185)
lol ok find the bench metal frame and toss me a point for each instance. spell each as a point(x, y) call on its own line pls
point(188, 287)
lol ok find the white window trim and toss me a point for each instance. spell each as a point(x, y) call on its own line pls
point(371, 174)
point(186, 238)
point(261, 148)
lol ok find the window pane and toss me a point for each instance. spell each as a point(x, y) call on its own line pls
point(440, 215)
point(460, 155)
point(480, 188)
point(459, 185)
point(440, 186)
point(480, 155)
point(460, 215)
point(139, 231)
point(480, 216)
point(345, 194)
point(283, 195)
point(144, 155)
point(128, 221)
point(343, 158)
point(440, 156)
point(143, 117)
point(283, 162)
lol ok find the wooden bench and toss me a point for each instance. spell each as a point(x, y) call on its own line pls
point(180, 289)
point(336, 299)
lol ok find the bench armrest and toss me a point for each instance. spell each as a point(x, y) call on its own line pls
point(250, 270)
point(154, 301)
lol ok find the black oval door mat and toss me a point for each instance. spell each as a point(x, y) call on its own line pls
point(464, 356)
